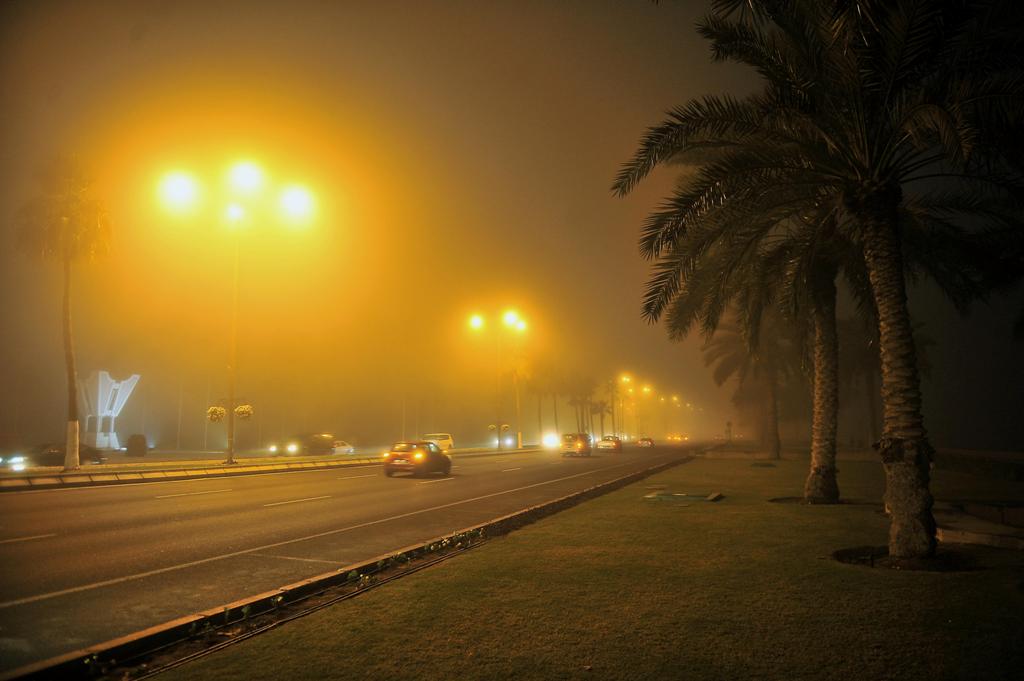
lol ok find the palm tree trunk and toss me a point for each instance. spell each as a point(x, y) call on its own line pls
point(872, 407)
point(821, 486)
point(774, 443)
point(554, 405)
point(904, 448)
point(71, 461)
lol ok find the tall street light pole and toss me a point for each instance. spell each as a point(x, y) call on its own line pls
point(233, 359)
point(180, 193)
point(512, 323)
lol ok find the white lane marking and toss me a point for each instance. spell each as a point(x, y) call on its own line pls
point(35, 536)
point(286, 542)
point(427, 482)
point(190, 494)
point(509, 470)
point(295, 501)
point(305, 560)
point(354, 477)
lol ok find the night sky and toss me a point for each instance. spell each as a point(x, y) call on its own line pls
point(461, 155)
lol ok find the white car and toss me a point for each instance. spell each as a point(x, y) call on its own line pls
point(442, 440)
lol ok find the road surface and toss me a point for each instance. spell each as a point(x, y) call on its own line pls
point(81, 566)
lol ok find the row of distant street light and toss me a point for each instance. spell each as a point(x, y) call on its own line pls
point(246, 187)
point(628, 388)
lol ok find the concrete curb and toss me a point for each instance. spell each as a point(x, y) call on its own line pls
point(87, 662)
point(61, 480)
point(950, 535)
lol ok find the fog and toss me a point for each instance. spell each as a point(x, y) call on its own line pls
point(460, 155)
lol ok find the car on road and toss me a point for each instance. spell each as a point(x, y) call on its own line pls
point(311, 444)
point(418, 457)
point(442, 440)
point(49, 454)
point(645, 442)
point(611, 443)
point(576, 444)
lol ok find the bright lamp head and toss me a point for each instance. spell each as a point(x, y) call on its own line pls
point(296, 203)
point(245, 177)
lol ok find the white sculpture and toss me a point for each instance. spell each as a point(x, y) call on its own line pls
point(103, 398)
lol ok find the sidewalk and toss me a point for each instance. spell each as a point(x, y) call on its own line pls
point(667, 587)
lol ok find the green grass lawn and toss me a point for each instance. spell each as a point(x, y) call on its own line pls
point(627, 588)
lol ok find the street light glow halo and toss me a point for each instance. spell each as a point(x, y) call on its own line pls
point(296, 202)
point(511, 318)
point(476, 321)
point(179, 191)
point(234, 213)
point(245, 177)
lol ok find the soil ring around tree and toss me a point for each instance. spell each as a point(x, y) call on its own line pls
point(944, 560)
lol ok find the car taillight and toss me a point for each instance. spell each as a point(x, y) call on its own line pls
point(418, 455)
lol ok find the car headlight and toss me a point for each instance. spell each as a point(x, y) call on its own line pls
point(273, 448)
point(292, 448)
point(418, 455)
point(385, 455)
point(16, 459)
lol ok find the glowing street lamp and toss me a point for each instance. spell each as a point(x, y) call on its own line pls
point(178, 191)
point(245, 177)
point(234, 213)
point(476, 322)
point(296, 203)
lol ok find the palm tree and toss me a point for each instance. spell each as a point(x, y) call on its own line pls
point(859, 363)
point(859, 368)
point(862, 101)
point(65, 222)
point(759, 369)
point(537, 385)
point(601, 408)
point(580, 389)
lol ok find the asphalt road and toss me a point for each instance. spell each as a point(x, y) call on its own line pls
point(81, 566)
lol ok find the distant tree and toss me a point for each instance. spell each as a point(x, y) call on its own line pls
point(537, 385)
point(581, 389)
point(601, 408)
point(66, 222)
point(758, 370)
